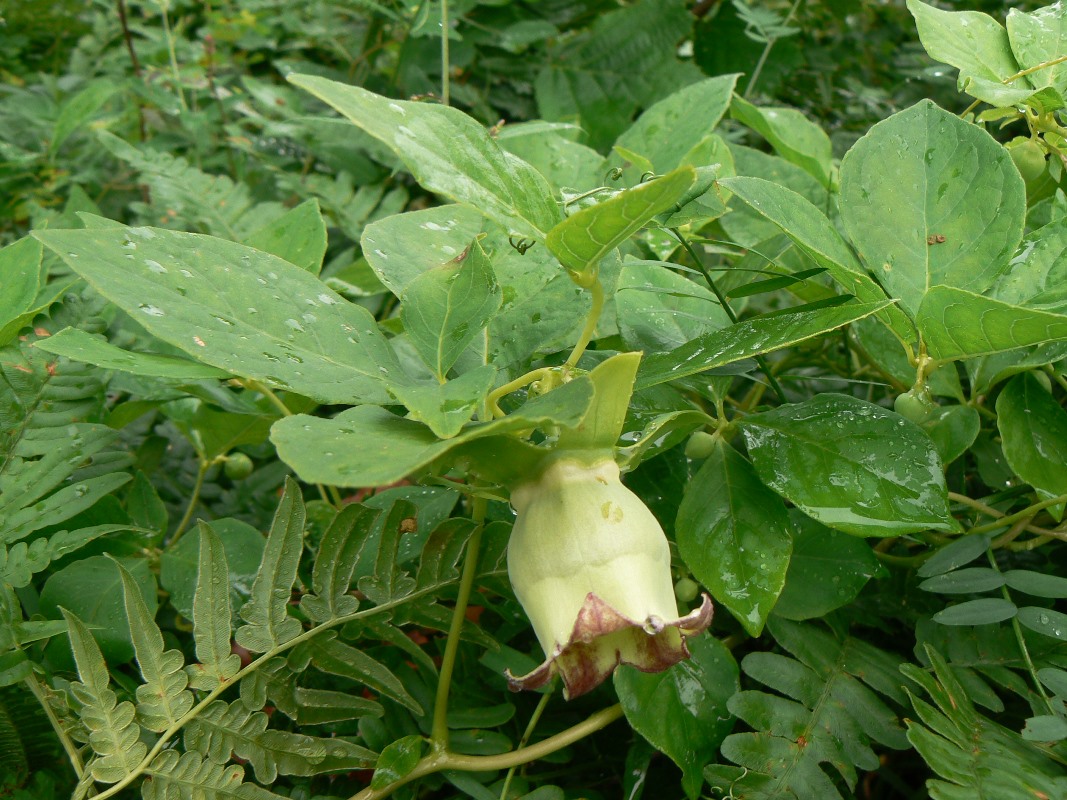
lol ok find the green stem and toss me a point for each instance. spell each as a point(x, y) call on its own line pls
point(1036, 68)
point(763, 365)
point(1022, 641)
point(493, 401)
point(435, 762)
point(534, 719)
point(193, 500)
point(439, 729)
point(173, 55)
point(597, 290)
point(445, 88)
point(767, 51)
point(1011, 519)
point(69, 747)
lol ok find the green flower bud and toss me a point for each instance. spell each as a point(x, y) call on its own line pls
point(591, 567)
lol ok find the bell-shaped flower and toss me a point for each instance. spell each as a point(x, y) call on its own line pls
point(591, 566)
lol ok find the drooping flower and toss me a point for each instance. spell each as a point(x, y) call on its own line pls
point(591, 566)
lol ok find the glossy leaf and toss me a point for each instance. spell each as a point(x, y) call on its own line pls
point(851, 465)
point(955, 197)
point(446, 308)
point(585, 237)
point(735, 536)
point(973, 580)
point(1045, 621)
point(242, 310)
point(1033, 432)
point(962, 551)
point(826, 570)
point(748, 338)
point(682, 711)
point(449, 153)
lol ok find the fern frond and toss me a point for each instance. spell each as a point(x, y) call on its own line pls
point(269, 623)
point(211, 616)
point(222, 729)
point(974, 756)
point(389, 581)
point(163, 699)
point(113, 733)
point(190, 777)
point(828, 711)
point(213, 203)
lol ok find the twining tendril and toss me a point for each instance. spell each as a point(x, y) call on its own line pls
point(522, 245)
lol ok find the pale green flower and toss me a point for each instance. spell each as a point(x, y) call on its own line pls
point(591, 567)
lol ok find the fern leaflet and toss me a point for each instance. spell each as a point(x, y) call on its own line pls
point(190, 777)
point(975, 758)
point(828, 715)
point(162, 699)
point(211, 616)
point(113, 733)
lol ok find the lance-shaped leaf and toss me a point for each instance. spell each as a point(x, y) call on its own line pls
point(852, 465)
point(955, 198)
point(389, 581)
point(163, 698)
point(20, 273)
point(339, 552)
point(817, 238)
point(79, 345)
point(113, 734)
point(337, 658)
point(957, 324)
point(269, 623)
point(211, 616)
point(602, 423)
point(369, 446)
point(241, 310)
point(747, 339)
point(581, 240)
point(449, 153)
point(444, 309)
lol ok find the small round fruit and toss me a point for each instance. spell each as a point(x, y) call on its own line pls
point(915, 406)
point(686, 590)
point(238, 466)
point(700, 445)
point(1029, 158)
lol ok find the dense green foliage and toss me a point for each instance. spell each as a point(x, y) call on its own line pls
point(293, 296)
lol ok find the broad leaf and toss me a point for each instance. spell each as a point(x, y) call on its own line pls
point(1037, 37)
point(449, 153)
point(958, 324)
point(735, 535)
point(817, 238)
point(1033, 432)
point(602, 423)
point(20, 271)
point(369, 446)
point(682, 711)
point(299, 236)
point(242, 310)
point(956, 200)
point(747, 339)
point(977, 45)
point(446, 308)
point(792, 135)
point(851, 465)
